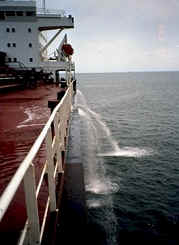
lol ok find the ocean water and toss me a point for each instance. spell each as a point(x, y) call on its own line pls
point(130, 133)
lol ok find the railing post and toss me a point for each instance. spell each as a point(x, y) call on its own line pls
point(57, 138)
point(32, 207)
point(50, 170)
point(61, 129)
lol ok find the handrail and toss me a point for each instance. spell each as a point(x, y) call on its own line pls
point(42, 11)
point(59, 118)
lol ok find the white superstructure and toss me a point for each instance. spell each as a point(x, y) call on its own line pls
point(23, 36)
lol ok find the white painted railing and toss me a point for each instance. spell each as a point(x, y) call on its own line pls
point(53, 135)
point(42, 11)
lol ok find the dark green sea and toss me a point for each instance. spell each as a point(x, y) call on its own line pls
point(130, 131)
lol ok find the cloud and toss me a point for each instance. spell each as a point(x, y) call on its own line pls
point(123, 34)
point(161, 32)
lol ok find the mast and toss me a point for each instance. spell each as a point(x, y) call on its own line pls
point(43, 5)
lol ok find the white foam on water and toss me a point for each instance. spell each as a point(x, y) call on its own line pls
point(102, 188)
point(98, 185)
point(129, 152)
point(82, 113)
point(93, 203)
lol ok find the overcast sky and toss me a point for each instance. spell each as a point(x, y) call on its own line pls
point(123, 35)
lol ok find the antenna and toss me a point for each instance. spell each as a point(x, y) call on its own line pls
point(43, 5)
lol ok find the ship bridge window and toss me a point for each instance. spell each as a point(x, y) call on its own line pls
point(30, 45)
point(19, 13)
point(15, 59)
point(13, 29)
point(2, 16)
point(30, 59)
point(9, 45)
point(9, 59)
point(29, 30)
point(30, 13)
point(14, 44)
point(7, 29)
point(10, 13)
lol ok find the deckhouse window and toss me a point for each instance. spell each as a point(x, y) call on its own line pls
point(10, 13)
point(13, 29)
point(9, 59)
point(14, 45)
point(30, 45)
point(19, 13)
point(30, 13)
point(30, 59)
point(2, 16)
point(15, 59)
point(29, 30)
point(7, 29)
point(9, 45)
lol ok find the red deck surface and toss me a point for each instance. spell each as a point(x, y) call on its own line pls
point(23, 114)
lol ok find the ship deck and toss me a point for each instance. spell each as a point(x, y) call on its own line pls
point(16, 137)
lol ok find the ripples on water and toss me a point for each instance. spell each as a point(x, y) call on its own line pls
point(132, 180)
point(142, 112)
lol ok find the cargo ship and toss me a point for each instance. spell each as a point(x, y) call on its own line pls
point(26, 45)
point(34, 74)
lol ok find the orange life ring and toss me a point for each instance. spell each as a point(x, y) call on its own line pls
point(67, 49)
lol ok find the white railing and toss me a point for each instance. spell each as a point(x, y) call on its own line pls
point(53, 135)
point(42, 11)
